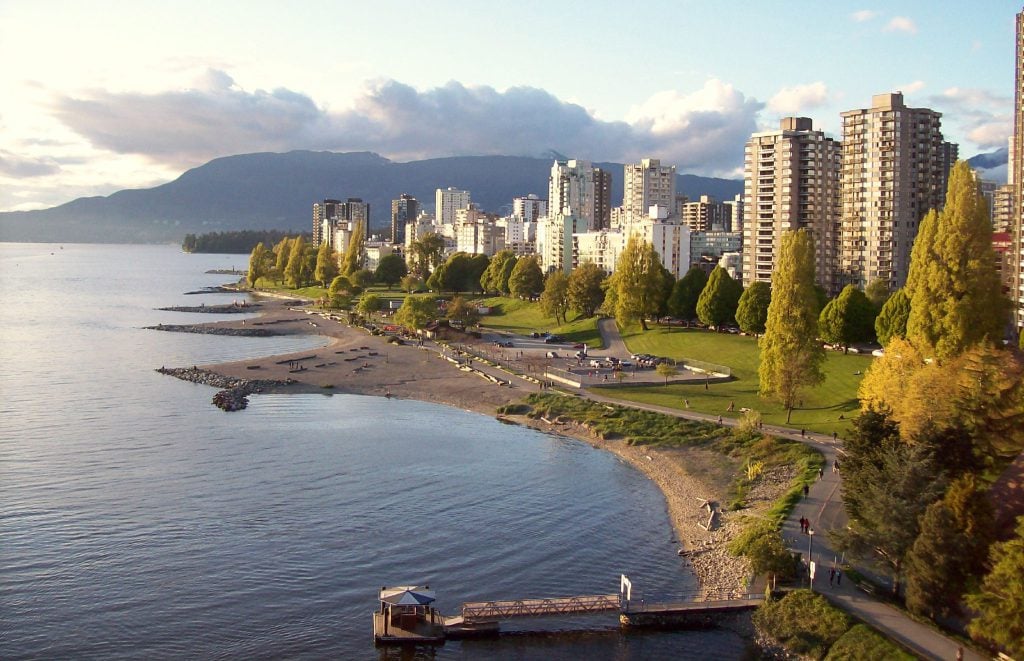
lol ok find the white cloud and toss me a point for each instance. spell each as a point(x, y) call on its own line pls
point(901, 24)
point(863, 15)
point(20, 167)
point(984, 117)
point(910, 88)
point(702, 131)
point(792, 100)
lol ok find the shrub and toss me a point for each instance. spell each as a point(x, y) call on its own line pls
point(803, 622)
point(862, 643)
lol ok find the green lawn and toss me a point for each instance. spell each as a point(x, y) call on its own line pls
point(821, 407)
point(523, 317)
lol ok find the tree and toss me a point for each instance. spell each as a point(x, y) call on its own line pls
point(847, 318)
point(887, 485)
point(491, 280)
point(259, 264)
point(282, 251)
point(390, 270)
point(427, 253)
point(326, 264)
point(892, 318)
point(666, 370)
point(682, 303)
point(455, 275)
point(478, 265)
point(791, 356)
point(459, 309)
point(295, 268)
point(639, 283)
point(999, 602)
point(369, 304)
point(362, 278)
point(411, 284)
point(416, 311)
point(340, 285)
point(526, 279)
point(554, 300)
point(719, 299)
point(585, 292)
point(353, 260)
point(956, 299)
point(506, 275)
point(752, 310)
point(878, 293)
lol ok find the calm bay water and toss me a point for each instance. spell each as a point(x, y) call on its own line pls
point(138, 521)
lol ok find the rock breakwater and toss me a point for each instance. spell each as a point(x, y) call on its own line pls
point(229, 308)
point(235, 393)
point(215, 330)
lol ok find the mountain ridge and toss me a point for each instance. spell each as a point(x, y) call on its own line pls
point(270, 190)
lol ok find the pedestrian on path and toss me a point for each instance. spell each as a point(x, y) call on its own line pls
point(807, 490)
point(831, 576)
point(686, 403)
point(839, 576)
point(821, 474)
point(719, 420)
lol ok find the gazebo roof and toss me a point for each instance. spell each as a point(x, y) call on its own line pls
point(407, 595)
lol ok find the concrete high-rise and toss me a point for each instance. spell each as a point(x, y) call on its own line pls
point(571, 191)
point(895, 169)
point(705, 215)
point(446, 202)
point(647, 184)
point(403, 210)
point(602, 199)
point(326, 210)
point(791, 182)
point(529, 209)
point(1016, 166)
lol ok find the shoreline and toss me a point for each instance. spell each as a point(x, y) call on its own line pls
point(355, 362)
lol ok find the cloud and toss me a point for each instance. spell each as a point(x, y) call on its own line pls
point(863, 15)
point(700, 131)
point(901, 24)
point(984, 117)
point(21, 167)
point(910, 88)
point(792, 100)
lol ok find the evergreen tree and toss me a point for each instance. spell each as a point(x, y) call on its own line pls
point(585, 292)
point(326, 265)
point(353, 260)
point(719, 299)
point(682, 303)
point(639, 283)
point(526, 279)
point(999, 603)
point(791, 356)
point(390, 270)
point(936, 570)
point(956, 299)
point(554, 301)
point(847, 318)
point(752, 310)
point(892, 319)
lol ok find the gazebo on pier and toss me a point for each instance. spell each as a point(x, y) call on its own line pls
point(406, 616)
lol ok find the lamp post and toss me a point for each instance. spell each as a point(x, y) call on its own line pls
point(810, 558)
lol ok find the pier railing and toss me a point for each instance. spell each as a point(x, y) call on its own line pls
point(694, 601)
point(498, 610)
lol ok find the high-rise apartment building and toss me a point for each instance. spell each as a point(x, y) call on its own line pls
point(529, 209)
point(1002, 209)
point(571, 191)
point(1016, 166)
point(647, 184)
point(446, 202)
point(705, 215)
point(895, 169)
point(602, 199)
point(791, 182)
point(403, 210)
point(326, 210)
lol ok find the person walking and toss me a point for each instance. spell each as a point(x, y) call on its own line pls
point(821, 474)
point(831, 576)
point(839, 576)
point(807, 490)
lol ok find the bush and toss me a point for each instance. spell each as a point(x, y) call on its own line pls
point(862, 643)
point(803, 622)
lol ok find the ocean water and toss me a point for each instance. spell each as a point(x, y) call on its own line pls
point(139, 521)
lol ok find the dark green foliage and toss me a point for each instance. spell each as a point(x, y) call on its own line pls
point(459, 309)
point(585, 292)
point(862, 643)
point(390, 270)
point(718, 301)
point(878, 293)
point(803, 622)
point(936, 569)
point(460, 273)
point(892, 319)
point(752, 310)
point(554, 301)
point(235, 243)
point(493, 279)
point(999, 603)
point(682, 302)
point(526, 279)
point(848, 318)
point(761, 543)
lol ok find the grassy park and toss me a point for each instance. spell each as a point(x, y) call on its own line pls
point(822, 405)
point(513, 315)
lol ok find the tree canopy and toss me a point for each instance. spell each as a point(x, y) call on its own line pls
point(999, 602)
point(554, 300)
point(390, 270)
point(354, 255)
point(682, 303)
point(848, 318)
point(752, 310)
point(892, 319)
point(417, 311)
point(326, 264)
point(638, 283)
point(259, 264)
point(526, 279)
point(956, 299)
point(427, 254)
point(495, 277)
point(791, 356)
point(718, 301)
point(461, 310)
point(585, 292)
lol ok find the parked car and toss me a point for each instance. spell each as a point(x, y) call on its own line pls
point(579, 345)
point(553, 339)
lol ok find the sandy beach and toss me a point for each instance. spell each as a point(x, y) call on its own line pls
point(356, 362)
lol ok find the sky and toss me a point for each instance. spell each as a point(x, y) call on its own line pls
point(98, 96)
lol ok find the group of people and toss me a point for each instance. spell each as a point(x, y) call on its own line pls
point(805, 525)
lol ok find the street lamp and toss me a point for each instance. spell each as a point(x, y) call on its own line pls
point(810, 558)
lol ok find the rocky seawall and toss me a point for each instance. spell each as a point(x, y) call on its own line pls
point(214, 330)
point(235, 393)
point(229, 308)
